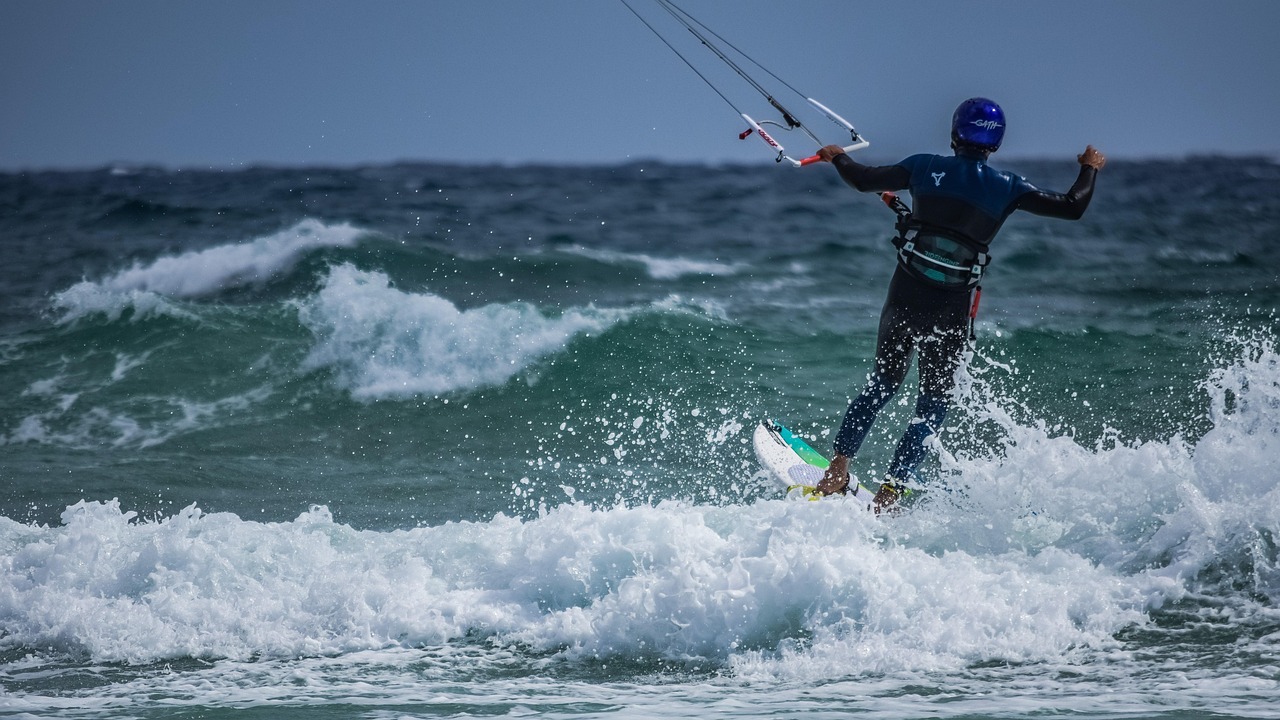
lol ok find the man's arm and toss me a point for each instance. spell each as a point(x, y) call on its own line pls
point(865, 178)
point(1072, 204)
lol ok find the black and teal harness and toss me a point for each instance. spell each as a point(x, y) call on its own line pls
point(936, 255)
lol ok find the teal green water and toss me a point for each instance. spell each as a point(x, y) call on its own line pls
point(432, 441)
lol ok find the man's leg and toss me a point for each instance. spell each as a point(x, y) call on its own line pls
point(857, 423)
point(939, 359)
point(862, 413)
point(894, 348)
point(931, 410)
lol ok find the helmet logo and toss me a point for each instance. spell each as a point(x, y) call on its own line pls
point(937, 178)
point(987, 124)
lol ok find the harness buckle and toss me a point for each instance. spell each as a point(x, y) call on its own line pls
point(980, 264)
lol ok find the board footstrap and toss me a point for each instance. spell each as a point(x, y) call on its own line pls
point(809, 491)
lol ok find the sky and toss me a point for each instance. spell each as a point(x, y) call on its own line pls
point(232, 83)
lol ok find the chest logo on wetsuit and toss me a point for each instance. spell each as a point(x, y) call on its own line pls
point(937, 178)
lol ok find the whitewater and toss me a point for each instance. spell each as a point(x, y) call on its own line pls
point(477, 442)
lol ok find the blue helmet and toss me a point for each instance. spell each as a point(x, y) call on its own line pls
point(978, 122)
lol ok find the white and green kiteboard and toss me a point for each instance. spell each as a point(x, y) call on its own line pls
point(793, 463)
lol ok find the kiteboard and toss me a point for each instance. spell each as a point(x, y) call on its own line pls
point(793, 463)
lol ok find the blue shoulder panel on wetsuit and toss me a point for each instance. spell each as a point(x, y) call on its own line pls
point(968, 179)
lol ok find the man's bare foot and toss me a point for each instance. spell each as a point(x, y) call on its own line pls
point(836, 479)
point(886, 499)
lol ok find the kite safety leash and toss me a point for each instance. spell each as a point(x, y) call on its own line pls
point(974, 298)
point(723, 51)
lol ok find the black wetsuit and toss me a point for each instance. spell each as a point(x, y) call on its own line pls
point(962, 201)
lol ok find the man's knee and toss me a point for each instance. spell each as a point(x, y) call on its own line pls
point(880, 387)
point(932, 409)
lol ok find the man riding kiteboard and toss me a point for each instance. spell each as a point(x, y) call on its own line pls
point(960, 203)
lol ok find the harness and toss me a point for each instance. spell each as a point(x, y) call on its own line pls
point(938, 257)
point(935, 255)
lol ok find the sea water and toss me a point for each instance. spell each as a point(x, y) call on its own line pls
point(438, 441)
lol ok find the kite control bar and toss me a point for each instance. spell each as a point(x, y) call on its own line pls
point(847, 148)
point(858, 141)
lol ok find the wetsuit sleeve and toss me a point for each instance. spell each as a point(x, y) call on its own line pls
point(867, 178)
point(1068, 206)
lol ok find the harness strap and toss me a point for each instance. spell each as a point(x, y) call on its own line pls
point(918, 245)
point(912, 234)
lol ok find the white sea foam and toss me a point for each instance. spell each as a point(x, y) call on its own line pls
point(657, 268)
point(672, 581)
point(87, 298)
point(136, 424)
point(384, 342)
point(1049, 552)
point(146, 289)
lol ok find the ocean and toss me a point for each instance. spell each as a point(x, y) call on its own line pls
point(428, 441)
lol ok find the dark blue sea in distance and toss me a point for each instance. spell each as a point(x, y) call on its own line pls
point(419, 441)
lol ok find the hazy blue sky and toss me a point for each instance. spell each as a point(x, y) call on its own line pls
point(233, 82)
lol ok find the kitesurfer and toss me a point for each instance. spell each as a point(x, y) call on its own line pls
point(960, 203)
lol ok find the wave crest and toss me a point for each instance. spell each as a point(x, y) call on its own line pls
point(144, 289)
point(387, 343)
